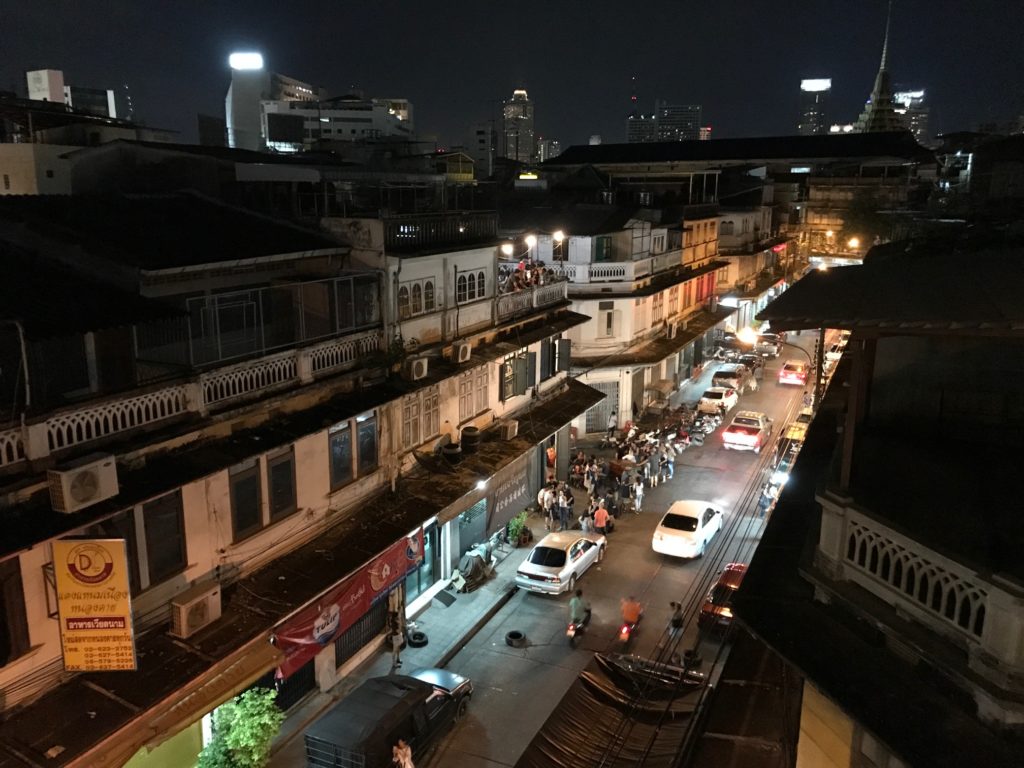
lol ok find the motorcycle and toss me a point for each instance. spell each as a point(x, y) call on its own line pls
point(576, 629)
point(626, 630)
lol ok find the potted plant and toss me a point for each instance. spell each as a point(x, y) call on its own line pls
point(518, 532)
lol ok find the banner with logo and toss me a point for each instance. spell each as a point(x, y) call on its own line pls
point(513, 492)
point(95, 604)
point(302, 636)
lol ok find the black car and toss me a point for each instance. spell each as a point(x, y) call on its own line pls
point(751, 360)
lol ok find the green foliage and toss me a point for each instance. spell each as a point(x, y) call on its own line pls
point(242, 731)
point(864, 220)
point(516, 526)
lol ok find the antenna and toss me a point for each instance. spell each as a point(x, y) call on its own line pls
point(885, 44)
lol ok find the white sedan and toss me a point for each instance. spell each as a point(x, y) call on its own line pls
point(713, 399)
point(558, 560)
point(686, 528)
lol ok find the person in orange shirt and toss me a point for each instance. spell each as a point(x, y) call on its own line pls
point(601, 519)
point(631, 610)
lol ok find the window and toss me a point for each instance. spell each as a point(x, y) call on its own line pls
point(14, 641)
point(281, 484)
point(554, 356)
point(340, 445)
point(246, 510)
point(403, 303)
point(428, 295)
point(480, 285)
point(471, 286)
point(121, 526)
point(421, 416)
point(164, 522)
point(366, 426)
point(49, 174)
point(673, 301)
point(473, 392)
point(657, 307)
point(417, 299)
point(518, 373)
point(726, 228)
point(460, 289)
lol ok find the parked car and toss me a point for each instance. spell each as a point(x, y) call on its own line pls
point(716, 612)
point(768, 345)
point(558, 560)
point(793, 372)
point(362, 728)
point(751, 360)
point(715, 399)
point(732, 375)
point(686, 528)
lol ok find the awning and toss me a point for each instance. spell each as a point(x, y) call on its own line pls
point(212, 688)
point(663, 387)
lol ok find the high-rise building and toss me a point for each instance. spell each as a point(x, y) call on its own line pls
point(49, 85)
point(252, 84)
point(813, 104)
point(677, 122)
point(482, 145)
point(547, 149)
point(518, 127)
point(879, 113)
point(705, 133)
point(910, 105)
point(641, 129)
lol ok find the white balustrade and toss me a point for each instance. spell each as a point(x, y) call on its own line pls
point(100, 420)
point(512, 304)
point(613, 270)
point(12, 446)
point(345, 352)
point(906, 574)
point(549, 294)
point(266, 373)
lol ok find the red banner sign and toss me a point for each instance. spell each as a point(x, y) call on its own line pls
point(306, 633)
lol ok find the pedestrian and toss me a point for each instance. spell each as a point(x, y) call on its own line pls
point(663, 466)
point(548, 505)
point(808, 399)
point(676, 621)
point(396, 647)
point(601, 519)
point(563, 510)
point(638, 496)
point(654, 468)
point(401, 755)
point(613, 424)
point(636, 411)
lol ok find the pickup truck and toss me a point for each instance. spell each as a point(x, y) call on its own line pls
point(749, 431)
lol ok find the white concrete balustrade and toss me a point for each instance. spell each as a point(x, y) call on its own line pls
point(509, 305)
point(616, 271)
point(216, 389)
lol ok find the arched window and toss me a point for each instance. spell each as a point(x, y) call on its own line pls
point(873, 564)
point(428, 295)
point(403, 302)
point(851, 547)
point(417, 299)
point(460, 289)
point(471, 289)
point(979, 621)
point(885, 567)
point(922, 589)
point(480, 283)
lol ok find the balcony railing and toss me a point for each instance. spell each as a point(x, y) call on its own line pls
point(210, 391)
point(523, 302)
point(617, 271)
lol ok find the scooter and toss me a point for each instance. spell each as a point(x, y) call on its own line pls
point(626, 630)
point(575, 630)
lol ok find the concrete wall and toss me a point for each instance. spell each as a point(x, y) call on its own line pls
point(35, 169)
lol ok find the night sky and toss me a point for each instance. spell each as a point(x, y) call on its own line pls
point(454, 60)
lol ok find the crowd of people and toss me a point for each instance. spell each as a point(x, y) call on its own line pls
point(528, 274)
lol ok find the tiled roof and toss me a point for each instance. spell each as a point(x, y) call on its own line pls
point(158, 231)
point(853, 145)
point(908, 291)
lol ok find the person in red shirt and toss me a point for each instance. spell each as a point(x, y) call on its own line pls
point(631, 610)
point(601, 519)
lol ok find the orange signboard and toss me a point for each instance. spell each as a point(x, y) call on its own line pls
point(95, 604)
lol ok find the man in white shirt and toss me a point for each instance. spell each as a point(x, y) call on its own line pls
point(613, 424)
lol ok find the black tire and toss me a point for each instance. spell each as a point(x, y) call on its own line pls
point(703, 548)
point(417, 639)
point(600, 554)
point(462, 708)
point(572, 583)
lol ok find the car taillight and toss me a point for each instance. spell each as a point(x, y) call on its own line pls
point(553, 579)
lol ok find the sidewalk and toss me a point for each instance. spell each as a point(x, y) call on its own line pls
point(448, 629)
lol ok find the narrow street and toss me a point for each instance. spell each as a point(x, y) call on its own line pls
point(517, 688)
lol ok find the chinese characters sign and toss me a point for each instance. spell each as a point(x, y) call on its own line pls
point(95, 605)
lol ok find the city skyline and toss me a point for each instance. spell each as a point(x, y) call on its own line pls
point(454, 85)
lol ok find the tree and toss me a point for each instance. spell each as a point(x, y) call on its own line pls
point(242, 731)
point(864, 220)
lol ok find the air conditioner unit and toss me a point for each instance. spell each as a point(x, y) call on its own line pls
point(509, 429)
point(194, 609)
point(671, 331)
point(415, 368)
point(462, 352)
point(83, 483)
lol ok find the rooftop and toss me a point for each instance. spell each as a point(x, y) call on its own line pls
point(163, 231)
point(899, 145)
point(919, 290)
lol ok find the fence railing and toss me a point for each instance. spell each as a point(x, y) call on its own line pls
point(209, 391)
point(522, 302)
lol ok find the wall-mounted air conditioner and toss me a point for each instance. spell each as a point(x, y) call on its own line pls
point(462, 351)
point(83, 483)
point(194, 609)
point(509, 429)
point(415, 368)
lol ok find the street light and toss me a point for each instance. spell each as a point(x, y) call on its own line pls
point(853, 243)
point(559, 237)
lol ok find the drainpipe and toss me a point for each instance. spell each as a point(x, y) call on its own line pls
point(24, 360)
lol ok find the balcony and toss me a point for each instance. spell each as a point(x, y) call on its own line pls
point(208, 392)
point(524, 302)
point(616, 271)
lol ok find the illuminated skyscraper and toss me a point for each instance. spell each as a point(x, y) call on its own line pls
point(910, 105)
point(518, 127)
point(677, 122)
point(813, 104)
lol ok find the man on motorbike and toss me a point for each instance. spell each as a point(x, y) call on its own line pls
point(579, 609)
point(631, 610)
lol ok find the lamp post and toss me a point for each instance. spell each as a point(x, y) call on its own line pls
point(559, 237)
